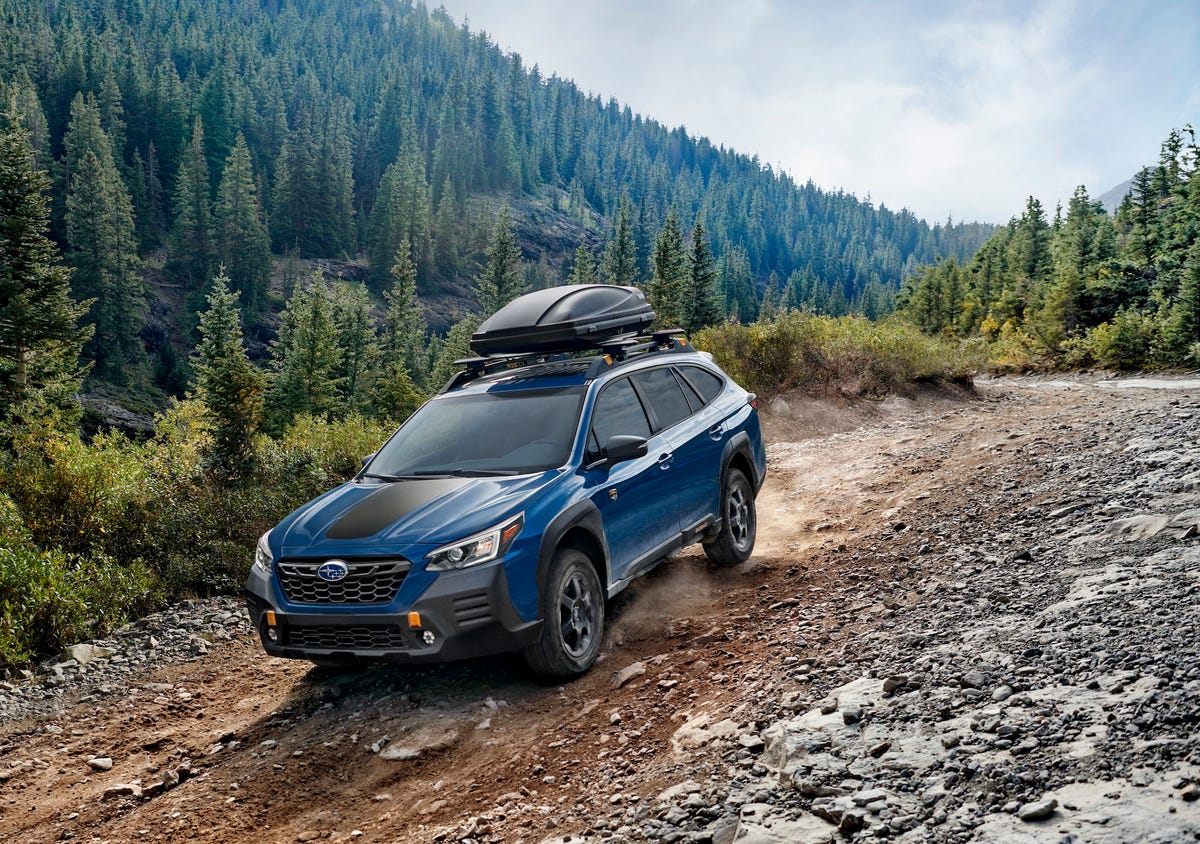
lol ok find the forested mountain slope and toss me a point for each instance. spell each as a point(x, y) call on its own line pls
point(186, 136)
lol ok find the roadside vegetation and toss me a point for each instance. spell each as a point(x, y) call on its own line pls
point(1086, 289)
point(849, 357)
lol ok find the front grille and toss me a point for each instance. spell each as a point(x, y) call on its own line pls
point(366, 582)
point(363, 637)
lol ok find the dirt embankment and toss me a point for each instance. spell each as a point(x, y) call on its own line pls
point(966, 619)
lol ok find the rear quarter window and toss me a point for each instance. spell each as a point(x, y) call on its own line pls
point(706, 385)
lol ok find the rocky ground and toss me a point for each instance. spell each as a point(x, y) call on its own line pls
point(968, 619)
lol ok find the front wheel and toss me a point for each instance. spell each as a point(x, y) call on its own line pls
point(572, 604)
point(739, 523)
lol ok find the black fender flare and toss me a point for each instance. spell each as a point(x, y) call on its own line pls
point(582, 514)
point(739, 443)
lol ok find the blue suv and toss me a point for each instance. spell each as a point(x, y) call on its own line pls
point(508, 509)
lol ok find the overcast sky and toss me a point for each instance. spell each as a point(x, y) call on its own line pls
point(947, 108)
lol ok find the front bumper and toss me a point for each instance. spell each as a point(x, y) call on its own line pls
point(468, 613)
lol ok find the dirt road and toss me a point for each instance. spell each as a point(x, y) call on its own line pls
point(909, 552)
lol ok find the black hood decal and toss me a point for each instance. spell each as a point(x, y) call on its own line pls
point(391, 503)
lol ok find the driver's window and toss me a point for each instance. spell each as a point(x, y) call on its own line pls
point(618, 410)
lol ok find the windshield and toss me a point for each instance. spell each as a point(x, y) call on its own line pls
point(505, 433)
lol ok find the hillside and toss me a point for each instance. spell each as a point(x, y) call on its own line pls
point(336, 129)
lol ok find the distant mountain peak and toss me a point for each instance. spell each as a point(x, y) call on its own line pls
point(1111, 199)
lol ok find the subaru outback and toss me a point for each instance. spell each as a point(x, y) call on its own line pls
point(507, 510)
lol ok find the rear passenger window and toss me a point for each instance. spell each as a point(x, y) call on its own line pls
point(707, 385)
point(618, 411)
point(665, 396)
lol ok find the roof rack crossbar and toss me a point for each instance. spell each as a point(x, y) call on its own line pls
point(612, 352)
point(476, 367)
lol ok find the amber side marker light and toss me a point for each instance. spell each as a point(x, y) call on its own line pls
point(270, 618)
point(509, 532)
point(414, 620)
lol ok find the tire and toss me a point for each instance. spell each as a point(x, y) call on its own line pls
point(739, 523)
point(572, 605)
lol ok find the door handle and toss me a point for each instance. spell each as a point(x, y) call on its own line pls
point(716, 431)
point(664, 460)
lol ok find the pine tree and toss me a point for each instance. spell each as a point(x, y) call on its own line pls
point(305, 358)
point(620, 259)
point(738, 283)
point(192, 248)
point(359, 359)
point(242, 244)
point(702, 307)
point(401, 212)
point(502, 279)
point(447, 259)
point(40, 336)
point(404, 327)
point(227, 383)
point(102, 249)
point(456, 346)
point(583, 270)
point(668, 285)
point(1182, 330)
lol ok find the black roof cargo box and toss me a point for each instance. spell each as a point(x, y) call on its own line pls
point(569, 318)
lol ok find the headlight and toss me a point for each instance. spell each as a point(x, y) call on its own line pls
point(473, 550)
point(262, 554)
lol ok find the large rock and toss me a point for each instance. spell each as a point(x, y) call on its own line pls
point(85, 653)
point(761, 823)
point(421, 742)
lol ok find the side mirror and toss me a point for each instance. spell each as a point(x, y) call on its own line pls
point(623, 447)
point(367, 460)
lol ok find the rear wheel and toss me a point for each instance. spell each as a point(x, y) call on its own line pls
point(739, 523)
point(572, 604)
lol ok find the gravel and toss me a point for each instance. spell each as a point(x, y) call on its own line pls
point(96, 671)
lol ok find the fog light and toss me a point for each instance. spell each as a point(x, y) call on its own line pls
point(427, 637)
point(272, 635)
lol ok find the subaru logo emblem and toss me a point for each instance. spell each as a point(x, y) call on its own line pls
point(333, 570)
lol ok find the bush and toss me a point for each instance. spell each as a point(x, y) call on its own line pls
point(847, 356)
point(49, 599)
point(1124, 343)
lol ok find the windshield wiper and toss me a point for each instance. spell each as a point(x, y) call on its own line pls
point(466, 473)
point(388, 478)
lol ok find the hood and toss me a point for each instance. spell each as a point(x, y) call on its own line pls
point(425, 511)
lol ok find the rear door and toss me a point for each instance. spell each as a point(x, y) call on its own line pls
point(695, 457)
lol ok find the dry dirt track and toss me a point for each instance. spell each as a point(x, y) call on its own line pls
point(280, 752)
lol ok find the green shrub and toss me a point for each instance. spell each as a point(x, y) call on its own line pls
point(49, 599)
point(848, 356)
point(1124, 343)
